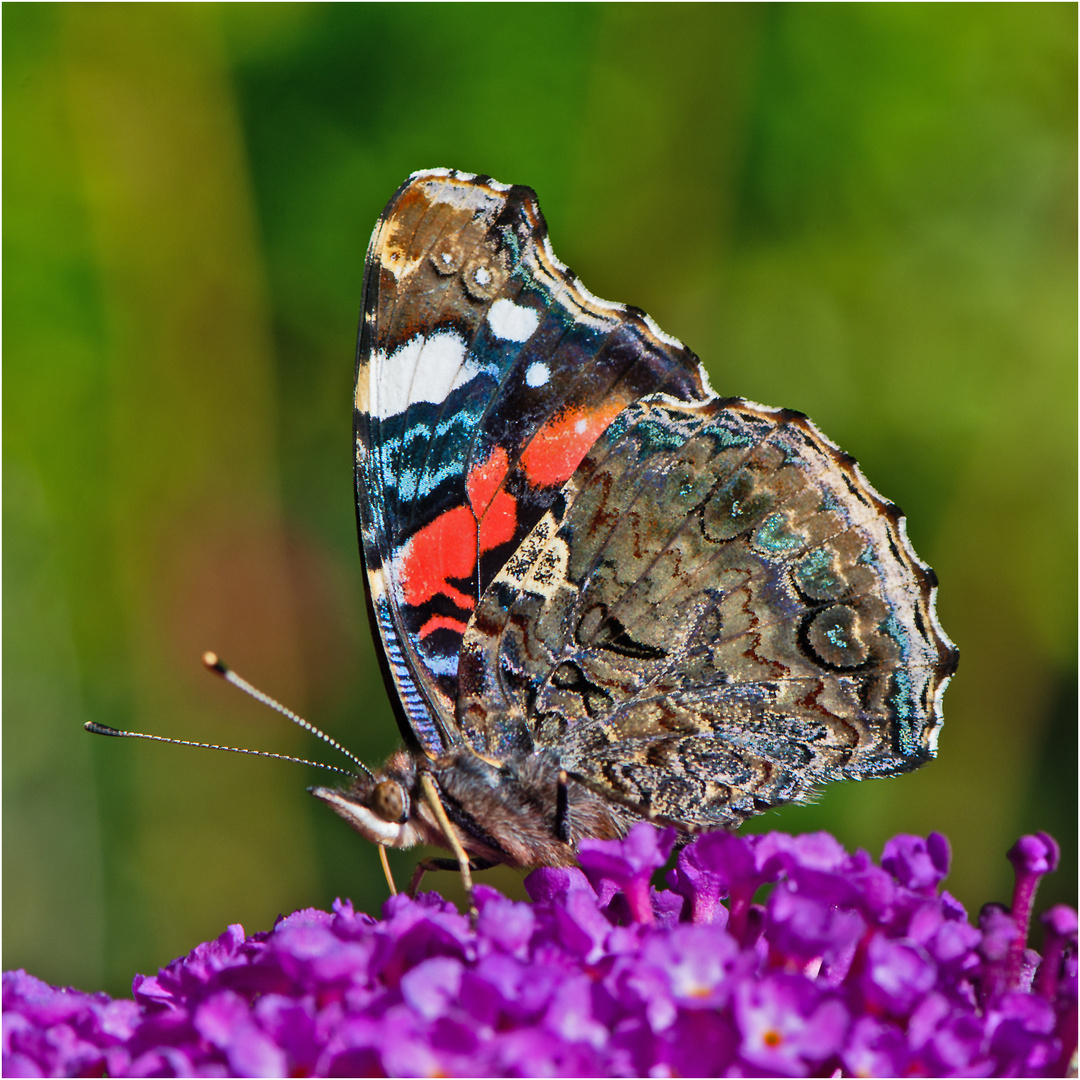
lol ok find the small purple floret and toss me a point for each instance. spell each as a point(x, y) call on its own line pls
point(629, 864)
point(1032, 857)
point(1038, 854)
point(846, 967)
point(917, 863)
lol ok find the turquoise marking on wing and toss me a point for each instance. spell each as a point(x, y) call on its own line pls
point(814, 572)
point(776, 538)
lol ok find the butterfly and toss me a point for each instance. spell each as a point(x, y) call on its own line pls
point(602, 592)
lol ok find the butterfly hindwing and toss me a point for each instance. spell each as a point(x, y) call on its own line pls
point(717, 614)
point(485, 373)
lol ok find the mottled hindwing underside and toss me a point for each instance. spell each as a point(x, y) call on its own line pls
point(716, 615)
point(485, 373)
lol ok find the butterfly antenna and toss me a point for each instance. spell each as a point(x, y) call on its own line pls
point(104, 729)
point(214, 663)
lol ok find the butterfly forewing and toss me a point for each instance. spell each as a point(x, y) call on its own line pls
point(485, 373)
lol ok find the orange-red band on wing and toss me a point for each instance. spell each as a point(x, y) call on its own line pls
point(443, 549)
point(557, 448)
point(442, 622)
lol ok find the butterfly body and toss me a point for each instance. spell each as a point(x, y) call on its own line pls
point(603, 592)
point(506, 812)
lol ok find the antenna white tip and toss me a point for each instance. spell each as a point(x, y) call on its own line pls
point(213, 662)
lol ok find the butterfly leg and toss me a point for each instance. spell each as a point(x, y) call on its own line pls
point(426, 866)
point(562, 808)
point(386, 869)
point(431, 797)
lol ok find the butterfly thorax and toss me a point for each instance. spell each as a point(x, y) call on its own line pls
point(503, 811)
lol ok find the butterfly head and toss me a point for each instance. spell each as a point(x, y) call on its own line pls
point(380, 807)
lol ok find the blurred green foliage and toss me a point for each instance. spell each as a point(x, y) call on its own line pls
point(863, 212)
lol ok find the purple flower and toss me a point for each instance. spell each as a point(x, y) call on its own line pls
point(721, 864)
point(946, 1040)
point(876, 1048)
point(712, 868)
point(999, 931)
point(1060, 929)
point(1032, 857)
point(226, 1022)
point(805, 924)
point(916, 863)
point(786, 1027)
point(692, 963)
point(897, 976)
point(811, 851)
point(629, 864)
point(1056, 979)
point(850, 968)
point(1038, 854)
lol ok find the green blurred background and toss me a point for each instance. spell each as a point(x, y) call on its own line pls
point(864, 212)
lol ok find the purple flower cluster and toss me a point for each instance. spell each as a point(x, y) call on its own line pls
point(846, 967)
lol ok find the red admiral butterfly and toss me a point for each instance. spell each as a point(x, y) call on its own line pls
point(602, 592)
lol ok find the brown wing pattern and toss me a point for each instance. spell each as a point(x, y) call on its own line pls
point(717, 615)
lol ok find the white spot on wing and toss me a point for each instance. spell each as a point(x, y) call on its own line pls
point(512, 322)
point(423, 369)
point(538, 374)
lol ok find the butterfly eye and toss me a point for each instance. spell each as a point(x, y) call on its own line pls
point(388, 800)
